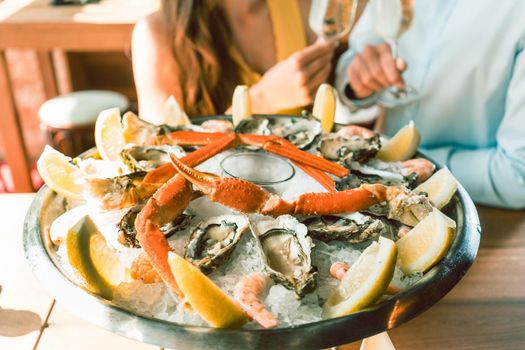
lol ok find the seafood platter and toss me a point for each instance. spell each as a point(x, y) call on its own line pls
point(269, 232)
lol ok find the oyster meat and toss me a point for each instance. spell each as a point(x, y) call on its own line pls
point(128, 234)
point(352, 228)
point(300, 131)
point(146, 158)
point(355, 148)
point(285, 249)
point(375, 171)
point(257, 126)
point(214, 239)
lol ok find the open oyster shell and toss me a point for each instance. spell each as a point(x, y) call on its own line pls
point(145, 158)
point(128, 234)
point(375, 171)
point(352, 228)
point(285, 249)
point(301, 131)
point(357, 149)
point(214, 239)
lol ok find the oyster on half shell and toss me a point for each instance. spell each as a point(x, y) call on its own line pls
point(352, 228)
point(300, 131)
point(144, 158)
point(285, 249)
point(355, 148)
point(214, 239)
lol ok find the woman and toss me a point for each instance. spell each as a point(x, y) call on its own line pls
point(199, 50)
point(467, 60)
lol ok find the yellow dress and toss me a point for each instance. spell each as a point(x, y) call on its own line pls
point(289, 34)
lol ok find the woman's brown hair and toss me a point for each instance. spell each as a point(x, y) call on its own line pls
point(201, 41)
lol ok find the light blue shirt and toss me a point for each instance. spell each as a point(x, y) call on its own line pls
point(467, 60)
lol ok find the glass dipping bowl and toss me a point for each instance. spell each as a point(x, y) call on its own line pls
point(260, 168)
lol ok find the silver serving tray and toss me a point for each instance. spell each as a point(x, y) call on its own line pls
point(386, 315)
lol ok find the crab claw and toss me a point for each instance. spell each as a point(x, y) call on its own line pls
point(237, 194)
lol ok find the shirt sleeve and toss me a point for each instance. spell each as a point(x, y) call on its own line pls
point(496, 176)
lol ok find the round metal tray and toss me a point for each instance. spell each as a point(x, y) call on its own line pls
point(386, 315)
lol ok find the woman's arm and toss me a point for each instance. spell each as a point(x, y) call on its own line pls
point(496, 176)
point(154, 68)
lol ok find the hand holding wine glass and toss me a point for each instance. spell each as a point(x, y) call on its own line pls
point(390, 20)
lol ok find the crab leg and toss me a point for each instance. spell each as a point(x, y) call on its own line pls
point(286, 149)
point(247, 197)
point(165, 205)
point(321, 177)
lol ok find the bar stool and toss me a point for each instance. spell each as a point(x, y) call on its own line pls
point(69, 120)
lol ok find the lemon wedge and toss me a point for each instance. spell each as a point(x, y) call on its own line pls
point(60, 175)
point(241, 105)
point(440, 187)
point(365, 281)
point(402, 146)
point(424, 245)
point(324, 107)
point(212, 304)
point(96, 264)
point(109, 136)
point(173, 113)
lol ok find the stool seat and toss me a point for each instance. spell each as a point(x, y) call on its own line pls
point(80, 108)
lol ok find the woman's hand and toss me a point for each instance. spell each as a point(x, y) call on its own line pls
point(374, 70)
point(294, 81)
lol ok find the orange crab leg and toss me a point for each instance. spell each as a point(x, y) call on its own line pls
point(248, 197)
point(320, 176)
point(195, 138)
point(286, 149)
point(165, 205)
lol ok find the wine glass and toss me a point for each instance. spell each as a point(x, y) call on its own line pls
point(332, 20)
point(390, 20)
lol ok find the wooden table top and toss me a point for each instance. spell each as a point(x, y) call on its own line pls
point(104, 26)
point(486, 310)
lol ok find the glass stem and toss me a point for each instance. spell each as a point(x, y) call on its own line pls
point(394, 46)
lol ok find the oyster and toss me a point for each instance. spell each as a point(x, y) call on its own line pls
point(128, 235)
point(300, 131)
point(143, 158)
point(352, 228)
point(214, 239)
point(285, 249)
point(388, 174)
point(356, 149)
point(257, 126)
point(141, 133)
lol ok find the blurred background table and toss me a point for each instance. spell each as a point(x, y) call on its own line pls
point(486, 310)
point(57, 33)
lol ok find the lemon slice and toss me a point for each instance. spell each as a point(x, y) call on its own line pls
point(173, 114)
point(60, 175)
point(204, 296)
point(241, 105)
point(109, 134)
point(365, 281)
point(440, 187)
point(96, 264)
point(402, 146)
point(424, 245)
point(324, 106)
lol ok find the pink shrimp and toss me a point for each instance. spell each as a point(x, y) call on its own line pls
point(355, 130)
point(247, 292)
point(338, 270)
point(422, 167)
point(403, 230)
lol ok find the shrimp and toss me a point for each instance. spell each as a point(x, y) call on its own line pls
point(422, 167)
point(338, 270)
point(217, 125)
point(355, 130)
point(403, 230)
point(247, 292)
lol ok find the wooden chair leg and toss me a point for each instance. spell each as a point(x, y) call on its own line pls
point(15, 149)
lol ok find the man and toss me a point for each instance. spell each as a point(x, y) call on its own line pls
point(466, 58)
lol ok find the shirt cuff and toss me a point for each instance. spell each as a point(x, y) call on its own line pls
point(354, 104)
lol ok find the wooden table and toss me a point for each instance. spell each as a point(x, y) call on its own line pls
point(34, 24)
point(486, 310)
